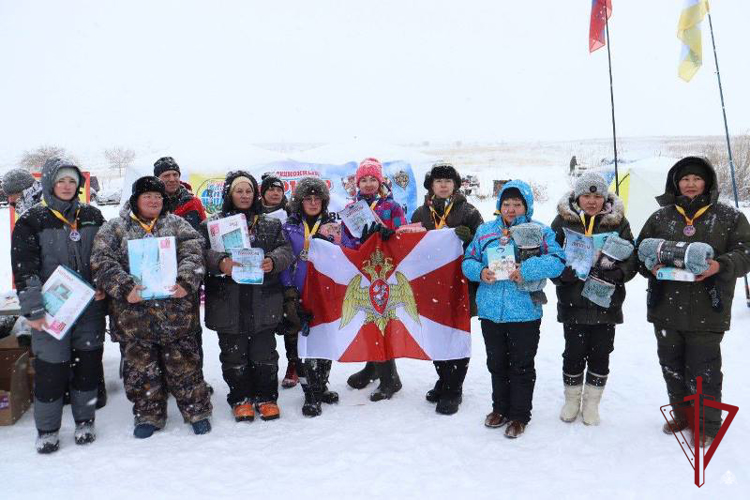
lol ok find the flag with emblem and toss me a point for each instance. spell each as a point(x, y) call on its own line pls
point(402, 298)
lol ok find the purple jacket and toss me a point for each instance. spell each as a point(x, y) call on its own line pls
point(389, 211)
point(294, 230)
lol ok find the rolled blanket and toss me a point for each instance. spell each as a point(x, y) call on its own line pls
point(528, 238)
point(598, 291)
point(617, 248)
point(693, 257)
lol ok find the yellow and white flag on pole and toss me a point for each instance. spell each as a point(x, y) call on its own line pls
point(689, 31)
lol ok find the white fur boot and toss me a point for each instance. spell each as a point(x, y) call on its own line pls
point(592, 395)
point(572, 404)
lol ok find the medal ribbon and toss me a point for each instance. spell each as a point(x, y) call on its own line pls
point(587, 231)
point(73, 225)
point(309, 233)
point(688, 220)
point(444, 216)
point(146, 227)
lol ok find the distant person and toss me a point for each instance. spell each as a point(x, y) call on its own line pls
point(60, 231)
point(691, 317)
point(22, 190)
point(272, 197)
point(179, 201)
point(573, 165)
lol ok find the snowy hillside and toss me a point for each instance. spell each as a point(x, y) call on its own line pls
point(401, 448)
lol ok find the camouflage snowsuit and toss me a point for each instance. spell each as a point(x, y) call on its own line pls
point(159, 345)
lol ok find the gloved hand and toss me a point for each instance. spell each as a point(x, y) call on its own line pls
point(386, 233)
point(568, 276)
point(614, 275)
point(292, 320)
point(464, 234)
point(368, 231)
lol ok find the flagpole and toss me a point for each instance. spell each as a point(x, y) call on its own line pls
point(726, 133)
point(612, 101)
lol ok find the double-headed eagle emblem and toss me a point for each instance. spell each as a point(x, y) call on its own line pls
point(380, 300)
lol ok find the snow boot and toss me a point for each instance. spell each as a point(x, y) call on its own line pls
point(706, 444)
point(514, 429)
point(327, 397)
point(675, 425)
point(290, 378)
point(201, 426)
point(243, 411)
point(269, 410)
point(362, 378)
point(433, 395)
point(311, 406)
point(47, 442)
point(390, 383)
point(592, 395)
point(572, 405)
point(494, 420)
point(85, 433)
point(143, 431)
point(448, 406)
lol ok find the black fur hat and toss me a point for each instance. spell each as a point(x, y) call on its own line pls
point(147, 184)
point(442, 170)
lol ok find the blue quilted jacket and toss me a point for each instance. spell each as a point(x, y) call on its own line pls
point(502, 301)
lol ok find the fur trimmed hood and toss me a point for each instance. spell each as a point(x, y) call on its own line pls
point(612, 214)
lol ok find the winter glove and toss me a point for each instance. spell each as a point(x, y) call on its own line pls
point(305, 319)
point(368, 231)
point(464, 234)
point(386, 233)
point(568, 276)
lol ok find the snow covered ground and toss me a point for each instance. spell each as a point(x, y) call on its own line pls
point(401, 448)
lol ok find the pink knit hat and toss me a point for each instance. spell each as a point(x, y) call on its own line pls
point(369, 166)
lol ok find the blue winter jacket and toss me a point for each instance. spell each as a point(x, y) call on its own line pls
point(502, 301)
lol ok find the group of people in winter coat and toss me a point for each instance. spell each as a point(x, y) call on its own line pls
point(161, 340)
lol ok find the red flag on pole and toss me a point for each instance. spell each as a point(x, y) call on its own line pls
point(601, 10)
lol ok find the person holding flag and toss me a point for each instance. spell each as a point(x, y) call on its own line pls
point(308, 219)
point(446, 207)
point(510, 312)
point(60, 231)
point(371, 187)
point(691, 317)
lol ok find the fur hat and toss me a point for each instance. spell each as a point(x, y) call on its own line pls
point(442, 170)
point(268, 181)
point(165, 164)
point(369, 166)
point(147, 184)
point(17, 180)
point(227, 204)
point(306, 187)
point(590, 183)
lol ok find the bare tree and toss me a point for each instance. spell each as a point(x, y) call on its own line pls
point(34, 159)
point(119, 157)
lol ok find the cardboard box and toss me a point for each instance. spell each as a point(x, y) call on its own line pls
point(15, 393)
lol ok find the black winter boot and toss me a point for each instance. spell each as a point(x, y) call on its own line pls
point(362, 378)
point(433, 395)
point(311, 406)
point(390, 383)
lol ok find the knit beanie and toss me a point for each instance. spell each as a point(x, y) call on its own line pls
point(16, 180)
point(590, 183)
point(442, 170)
point(369, 166)
point(165, 164)
point(66, 172)
point(691, 166)
point(147, 184)
point(269, 181)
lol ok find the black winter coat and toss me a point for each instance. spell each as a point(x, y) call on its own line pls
point(572, 307)
point(230, 307)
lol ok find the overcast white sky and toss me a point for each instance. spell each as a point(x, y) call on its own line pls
point(88, 74)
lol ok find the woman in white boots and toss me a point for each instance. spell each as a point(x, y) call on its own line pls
point(589, 323)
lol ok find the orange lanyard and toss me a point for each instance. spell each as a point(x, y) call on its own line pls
point(587, 231)
point(309, 233)
point(73, 225)
point(688, 220)
point(444, 216)
point(146, 227)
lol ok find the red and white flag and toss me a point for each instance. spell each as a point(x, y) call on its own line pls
point(403, 298)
